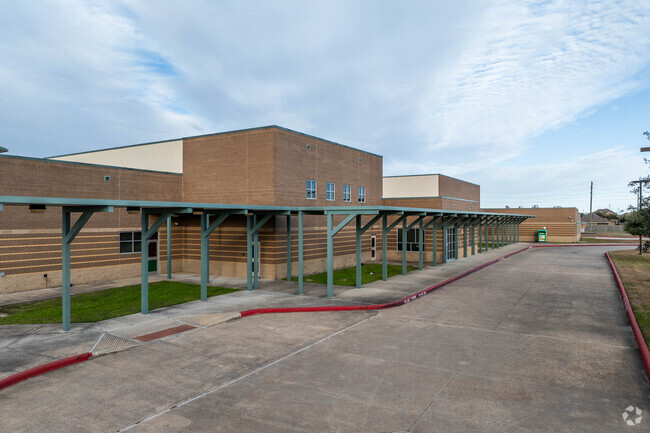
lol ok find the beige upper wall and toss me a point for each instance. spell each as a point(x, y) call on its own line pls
point(165, 156)
point(411, 186)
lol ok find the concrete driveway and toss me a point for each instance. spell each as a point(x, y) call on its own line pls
point(536, 342)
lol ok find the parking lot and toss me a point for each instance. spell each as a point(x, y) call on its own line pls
point(536, 342)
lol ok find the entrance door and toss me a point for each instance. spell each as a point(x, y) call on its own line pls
point(451, 239)
point(153, 253)
point(373, 247)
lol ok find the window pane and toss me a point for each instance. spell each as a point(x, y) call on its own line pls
point(127, 236)
point(137, 236)
point(125, 247)
point(137, 247)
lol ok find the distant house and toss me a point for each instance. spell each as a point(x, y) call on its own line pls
point(595, 220)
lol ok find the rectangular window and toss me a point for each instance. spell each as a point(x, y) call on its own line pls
point(347, 193)
point(311, 189)
point(412, 240)
point(362, 194)
point(130, 242)
point(329, 191)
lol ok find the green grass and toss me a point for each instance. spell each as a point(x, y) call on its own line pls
point(106, 304)
point(634, 271)
point(584, 240)
point(347, 276)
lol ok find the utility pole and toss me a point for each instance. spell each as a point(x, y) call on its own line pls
point(591, 214)
point(640, 182)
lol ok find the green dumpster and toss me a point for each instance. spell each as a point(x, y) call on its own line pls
point(541, 235)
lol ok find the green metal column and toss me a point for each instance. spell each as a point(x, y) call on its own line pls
point(384, 248)
point(144, 269)
point(169, 247)
point(330, 257)
point(444, 242)
point(289, 247)
point(300, 252)
point(435, 244)
point(464, 239)
point(493, 233)
point(456, 238)
point(205, 255)
point(473, 228)
point(420, 246)
point(256, 255)
point(65, 271)
point(249, 252)
point(404, 232)
point(358, 244)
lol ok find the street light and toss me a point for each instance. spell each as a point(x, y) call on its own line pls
point(4, 149)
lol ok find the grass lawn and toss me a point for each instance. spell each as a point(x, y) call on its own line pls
point(106, 304)
point(634, 271)
point(347, 276)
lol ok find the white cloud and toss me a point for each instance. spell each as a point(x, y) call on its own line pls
point(533, 66)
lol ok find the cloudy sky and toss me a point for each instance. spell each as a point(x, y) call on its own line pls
point(532, 100)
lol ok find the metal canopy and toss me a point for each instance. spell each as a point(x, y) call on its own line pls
point(163, 211)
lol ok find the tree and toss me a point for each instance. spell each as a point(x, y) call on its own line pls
point(638, 222)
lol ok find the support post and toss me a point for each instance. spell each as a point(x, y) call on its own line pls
point(384, 247)
point(358, 244)
point(404, 238)
point(249, 252)
point(300, 252)
point(65, 272)
point(444, 241)
point(289, 247)
point(205, 255)
point(435, 244)
point(169, 247)
point(465, 238)
point(144, 265)
point(473, 232)
point(330, 257)
point(420, 246)
point(480, 236)
point(256, 255)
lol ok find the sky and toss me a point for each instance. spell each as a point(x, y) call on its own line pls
point(533, 100)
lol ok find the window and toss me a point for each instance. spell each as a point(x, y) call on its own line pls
point(311, 189)
point(412, 240)
point(329, 191)
point(362, 194)
point(130, 242)
point(347, 193)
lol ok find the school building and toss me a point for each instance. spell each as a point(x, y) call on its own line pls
point(252, 203)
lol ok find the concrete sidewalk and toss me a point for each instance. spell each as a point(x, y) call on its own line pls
point(26, 346)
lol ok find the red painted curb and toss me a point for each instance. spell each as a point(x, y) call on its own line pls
point(377, 306)
point(640, 341)
point(38, 370)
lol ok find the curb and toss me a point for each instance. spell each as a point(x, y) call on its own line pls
point(44, 368)
point(645, 354)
